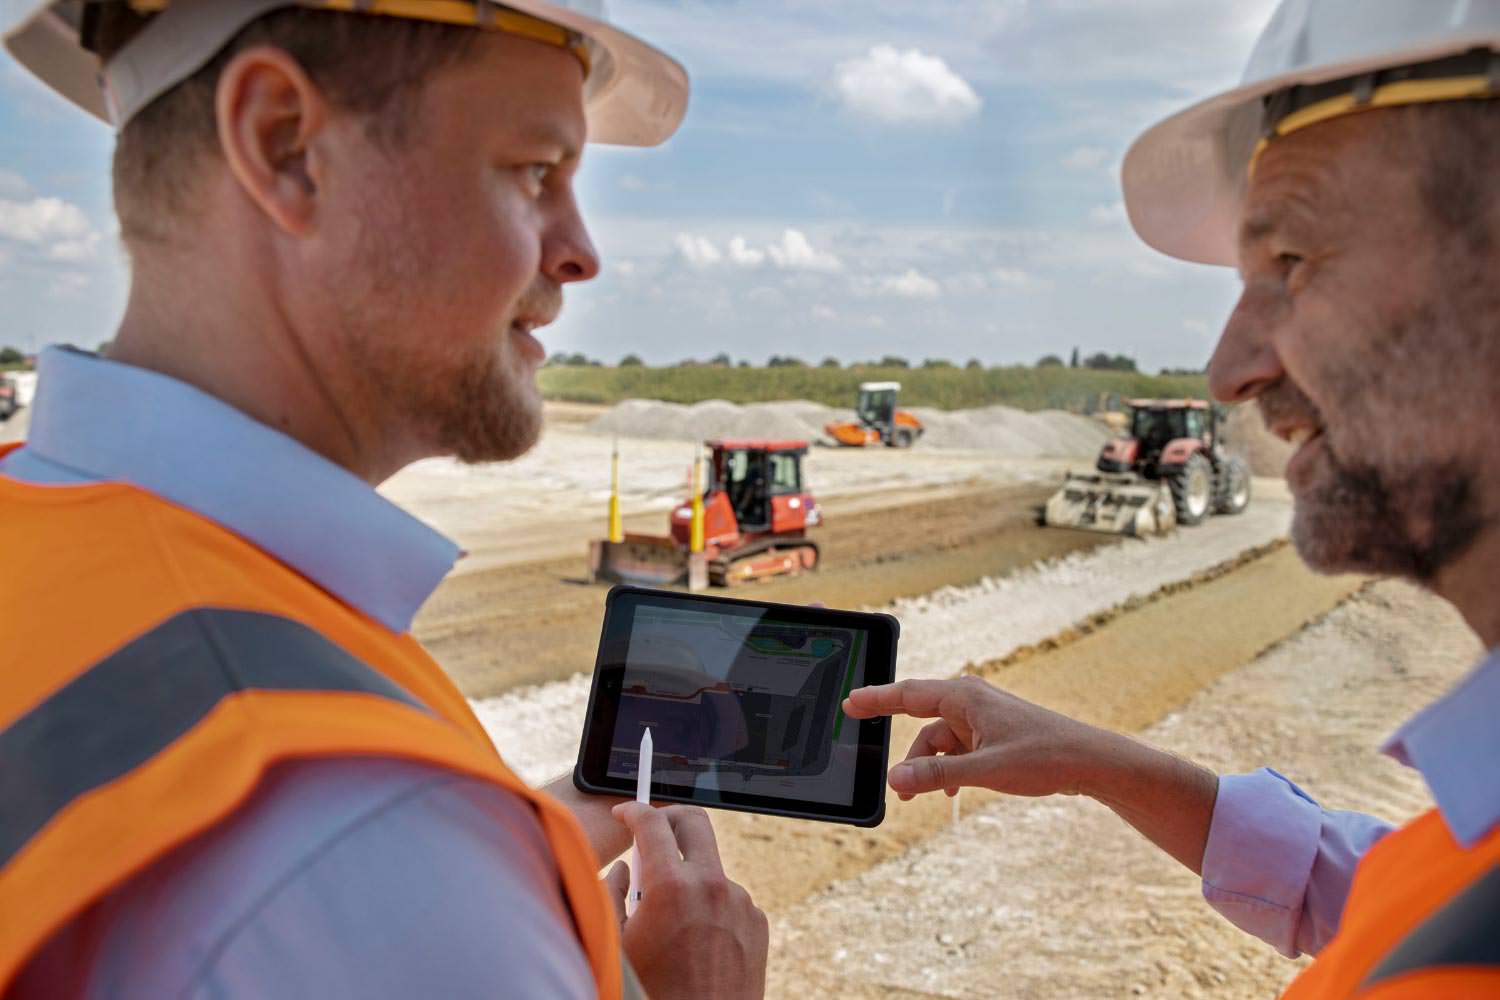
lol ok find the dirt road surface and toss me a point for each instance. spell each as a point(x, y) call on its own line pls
point(530, 622)
point(1058, 898)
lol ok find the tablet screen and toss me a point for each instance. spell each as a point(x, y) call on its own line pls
point(740, 703)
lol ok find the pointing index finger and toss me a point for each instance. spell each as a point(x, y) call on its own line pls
point(920, 699)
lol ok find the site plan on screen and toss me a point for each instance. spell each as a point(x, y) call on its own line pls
point(740, 704)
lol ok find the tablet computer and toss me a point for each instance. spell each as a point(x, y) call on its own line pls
point(744, 702)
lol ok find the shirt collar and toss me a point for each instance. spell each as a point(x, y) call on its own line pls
point(110, 421)
point(1455, 743)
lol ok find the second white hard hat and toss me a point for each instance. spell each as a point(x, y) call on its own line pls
point(1184, 179)
point(636, 95)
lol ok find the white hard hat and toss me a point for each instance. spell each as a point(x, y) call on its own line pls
point(636, 95)
point(1185, 177)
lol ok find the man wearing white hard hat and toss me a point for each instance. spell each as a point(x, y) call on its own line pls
point(226, 768)
point(1354, 181)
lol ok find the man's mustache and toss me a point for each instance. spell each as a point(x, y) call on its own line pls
point(1284, 403)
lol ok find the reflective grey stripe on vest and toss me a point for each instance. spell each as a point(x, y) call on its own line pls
point(1465, 932)
point(137, 701)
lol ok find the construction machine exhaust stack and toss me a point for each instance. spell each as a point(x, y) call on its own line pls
point(750, 522)
point(1172, 469)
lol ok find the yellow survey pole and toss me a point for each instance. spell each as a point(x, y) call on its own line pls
point(616, 524)
point(695, 538)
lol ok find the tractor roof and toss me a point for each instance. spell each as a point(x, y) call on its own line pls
point(878, 386)
point(750, 444)
point(1166, 404)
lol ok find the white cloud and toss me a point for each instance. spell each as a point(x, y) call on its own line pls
point(624, 268)
point(1011, 277)
point(745, 255)
point(630, 182)
point(73, 251)
point(1086, 158)
point(1112, 214)
point(913, 284)
point(904, 86)
point(42, 220)
point(66, 284)
point(12, 185)
point(823, 312)
point(766, 296)
point(698, 251)
point(796, 253)
point(1197, 326)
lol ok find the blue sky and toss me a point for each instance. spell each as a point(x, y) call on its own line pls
point(929, 178)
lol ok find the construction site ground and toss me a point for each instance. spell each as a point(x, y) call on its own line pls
point(1213, 641)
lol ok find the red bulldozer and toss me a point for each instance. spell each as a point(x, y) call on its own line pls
point(750, 523)
point(1172, 468)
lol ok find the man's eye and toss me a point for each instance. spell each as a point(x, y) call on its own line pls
point(1288, 261)
point(537, 173)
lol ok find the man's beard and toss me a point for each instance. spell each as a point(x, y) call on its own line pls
point(1357, 516)
point(479, 406)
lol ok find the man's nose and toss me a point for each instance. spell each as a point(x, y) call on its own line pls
point(1245, 361)
point(568, 253)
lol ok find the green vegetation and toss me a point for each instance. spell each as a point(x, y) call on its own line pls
point(943, 388)
point(13, 360)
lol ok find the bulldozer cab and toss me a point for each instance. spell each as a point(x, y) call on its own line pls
point(877, 405)
point(751, 473)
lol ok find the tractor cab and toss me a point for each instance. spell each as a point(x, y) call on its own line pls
point(1156, 423)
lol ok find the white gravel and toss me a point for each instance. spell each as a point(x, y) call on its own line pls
point(538, 729)
point(1002, 430)
point(1057, 897)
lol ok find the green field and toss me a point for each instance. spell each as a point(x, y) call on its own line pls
point(942, 388)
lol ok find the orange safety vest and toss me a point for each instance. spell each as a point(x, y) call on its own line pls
point(1422, 922)
point(155, 665)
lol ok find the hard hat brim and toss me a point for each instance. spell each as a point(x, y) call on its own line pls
point(1184, 179)
point(636, 95)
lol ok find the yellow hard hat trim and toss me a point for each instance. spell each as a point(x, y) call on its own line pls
point(1394, 94)
point(466, 13)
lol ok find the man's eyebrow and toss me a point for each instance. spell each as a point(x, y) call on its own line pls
point(551, 132)
point(1258, 227)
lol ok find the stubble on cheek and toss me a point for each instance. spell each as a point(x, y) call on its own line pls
point(1385, 494)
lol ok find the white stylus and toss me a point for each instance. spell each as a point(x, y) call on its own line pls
point(642, 794)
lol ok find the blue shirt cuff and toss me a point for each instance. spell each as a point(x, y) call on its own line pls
point(1262, 843)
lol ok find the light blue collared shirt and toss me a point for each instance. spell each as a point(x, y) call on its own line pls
point(1279, 866)
point(367, 877)
point(94, 419)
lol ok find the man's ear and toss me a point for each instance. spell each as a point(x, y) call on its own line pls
point(268, 112)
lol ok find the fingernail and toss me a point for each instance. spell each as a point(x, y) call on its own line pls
point(901, 774)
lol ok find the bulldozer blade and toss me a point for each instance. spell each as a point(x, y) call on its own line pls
point(1121, 505)
point(648, 560)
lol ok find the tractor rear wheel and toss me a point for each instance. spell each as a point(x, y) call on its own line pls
point(1193, 490)
point(903, 438)
point(1232, 494)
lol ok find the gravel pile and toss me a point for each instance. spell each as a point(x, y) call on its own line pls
point(999, 429)
point(536, 729)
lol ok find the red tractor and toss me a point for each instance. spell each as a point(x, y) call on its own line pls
point(756, 512)
point(1172, 468)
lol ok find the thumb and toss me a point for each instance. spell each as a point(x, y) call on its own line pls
point(616, 885)
point(928, 774)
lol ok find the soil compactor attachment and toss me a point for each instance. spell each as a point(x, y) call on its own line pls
point(1171, 470)
point(750, 523)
